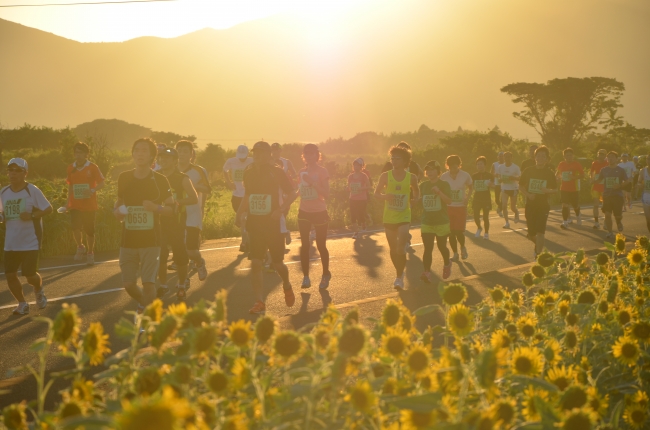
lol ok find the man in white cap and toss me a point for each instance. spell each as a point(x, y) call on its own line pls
point(233, 173)
point(23, 206)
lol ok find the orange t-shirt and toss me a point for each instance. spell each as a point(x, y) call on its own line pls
point(79, 179)
point(596, 166)
point(570, 182)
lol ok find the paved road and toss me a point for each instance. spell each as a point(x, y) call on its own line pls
point(362, 276)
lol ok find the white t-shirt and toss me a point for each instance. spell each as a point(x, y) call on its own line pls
point(458, 186)
point(507, 173)
point(23, 235)
point(629, 168)
point(495, 166)
point(197, 175)
point(236, 167)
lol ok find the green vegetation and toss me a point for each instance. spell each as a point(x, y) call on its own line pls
point(569, 350)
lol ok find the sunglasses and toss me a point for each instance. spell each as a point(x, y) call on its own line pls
point(15, 170)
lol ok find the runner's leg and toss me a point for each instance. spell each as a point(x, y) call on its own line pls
point(442, 247)
point(15, 287)
point(608, 221)
point(304, 227)
point(486, 218)
point(403, 236)
point(321, 245)
point(477, 217)
point(504, 206)
point(427, 258)
point(513, 204)
point(453, 242)
point(257, 279)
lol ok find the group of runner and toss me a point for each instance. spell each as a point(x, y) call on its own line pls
point(161, 201)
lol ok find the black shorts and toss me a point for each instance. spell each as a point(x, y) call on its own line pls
point(497, 194)
point(477, 205)
point(173, 238)
point(536, 219)
point(314, 218)
point(627, 187)
point(511, 193)
point(358, 211)
point(192, 238)
point(395, 226)
point(570, 198)
point(235, 202)
point(261, 239)
point(27, 260)
point(613, 204)
point(83, 220)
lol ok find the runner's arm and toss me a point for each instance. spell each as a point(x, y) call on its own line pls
point(381, 184)
point(192, 198)
point(290, 170)
point(415, 188)
point(226, 177)
point(243, 208)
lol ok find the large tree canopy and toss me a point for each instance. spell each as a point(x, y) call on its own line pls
point(563, 111)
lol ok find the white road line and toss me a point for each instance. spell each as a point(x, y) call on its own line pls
point(74, 296)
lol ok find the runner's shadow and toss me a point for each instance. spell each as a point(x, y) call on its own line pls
point(367, 255)
point(17, 320)
point(304, 297)
point(500, 250)
point(325, 297)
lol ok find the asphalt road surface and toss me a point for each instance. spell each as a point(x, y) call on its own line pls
point(362, 275)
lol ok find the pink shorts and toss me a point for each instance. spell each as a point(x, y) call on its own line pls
point(457, 217)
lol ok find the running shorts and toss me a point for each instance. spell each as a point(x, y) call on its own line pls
point(595, 194)
point(192, 238)
point(144, 260)
point(27, 260)
point(83, 220)
point(173, 239)
point(570, 198)
point(511, 193)
point(536, 219)
point(235, 202)
point(358, 211)
point(439, 230)
point(497, 195)
point(613, 204)
point(315, 218)
point(457, 217)
point(485, 206)
point(264, 238)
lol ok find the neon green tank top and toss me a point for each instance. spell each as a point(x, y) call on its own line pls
point(398, 208)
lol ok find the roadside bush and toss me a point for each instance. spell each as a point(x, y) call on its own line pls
point(568, 351)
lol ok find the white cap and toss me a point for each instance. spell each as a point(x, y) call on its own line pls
point(359, 161)
point(18, 162)
point(242, 151)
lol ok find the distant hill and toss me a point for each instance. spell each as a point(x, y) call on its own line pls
point(118, 134)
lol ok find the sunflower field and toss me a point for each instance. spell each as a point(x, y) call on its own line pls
point(568, 350)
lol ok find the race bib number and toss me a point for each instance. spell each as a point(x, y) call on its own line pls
point(611, 181)
point(308, 193)
point(567, 176)
point(78, 191)
point(238, 175)
point(506, 179)
point(535, 186)
point(138, 219)
point(481, 185)
point(457, 196)
point(13, 208)
point(259, 204)
point(397, 202)
point(431, 202)
point(354, 188)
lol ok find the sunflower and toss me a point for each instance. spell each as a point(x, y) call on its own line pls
point(620, 243)
point(641, 398)
point(391, 313)
point(195, 318)
point(603, 306)
point(538, 271)
point(264, 328)
point(69, 409)
point(240, 333)
point(66, 326)
point(626, 350)
point(148, 381)
point(177, 309)
point(561, 376)
point(217, 381)
point(154, 310)
point(220, 307)
point(504, 411)
point(636, 257)
point(574, 397)
point(602, 259)
point(500, 339)
point(587, 297)
point(361, 397)
point(635, 415)
point(390, 386)
point(572, 319)
point(580, 256)
point(241, 372)
point(322, 338)
point(394, 342)
point(413, 420)
point(625, 315)
point(163, 331)
point(598, 403)
point(454, 294)
point(460, 320)
point(497, 294)
point(204, 339)
point(163, 411)
point(545, 259)
point(287, 345)
point(526, 361)
point(563, 307)
point(418, 359)
point(530, 411)
point(527, 324)
point(596, 328)
point(14, 416)
point(528, 279)
point(552, 352)
point(578, 419)
point(571, 339)
point(352, 340)
point(95, 344)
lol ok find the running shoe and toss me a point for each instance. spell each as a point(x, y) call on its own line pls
point(426, 277)
point(289, 297)
point(478, 232)
point(242, 247)
point(191, 266)
point(446, 270)
point(306, 282)
point(81, 252)
point(463, 253)
point(187, 284)
point(22, 309)
point(90, 259)
point(506, 225)
point(287, 239)
point(564, 226)
point(172, 266)
point(161, 290)
point(516, 218)
point(258, 308)
point(41, 300)
point(596, 226)
point(202, 270)
point(500, 213)
point(579, 220)
point(399, 284)
point(325, 281)
point(609, 236)
point(408, 247)
point(486, 236)
point(619, 225)
point(455, 256)
point(181, 295)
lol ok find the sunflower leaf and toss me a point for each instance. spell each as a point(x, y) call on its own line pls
point(610, 246)
point(424, 310)
point(616, 413)
point(422, 403)
point(539, 383)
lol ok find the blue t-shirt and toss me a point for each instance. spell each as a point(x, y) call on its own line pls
point(611, 175)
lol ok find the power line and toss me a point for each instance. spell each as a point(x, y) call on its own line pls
point(84, 3)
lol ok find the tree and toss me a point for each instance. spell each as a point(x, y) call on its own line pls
point(626, 138)
point(563, 111)
point(169, 138)
point(212, 157)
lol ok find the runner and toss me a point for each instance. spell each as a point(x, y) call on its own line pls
point(598, 187)
point(536, 184)
point(398, 185)
point(497, 184)
point(436, 195)
point(194, 223)
point(314, 189)
point(614, 177)
point(23, 206)
point(644, 186)
point(640, 165)
point(84, 180)
point(570, 172)
point(530, 161)
point(173, 227)
point(263, 184)
point(508, 174)
point(141, 193)
point(461, 190)
point(233, 174)
point(161, 147)
point(287, 166)
point(630, 169)
point(483, 181)
point(358, 186)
